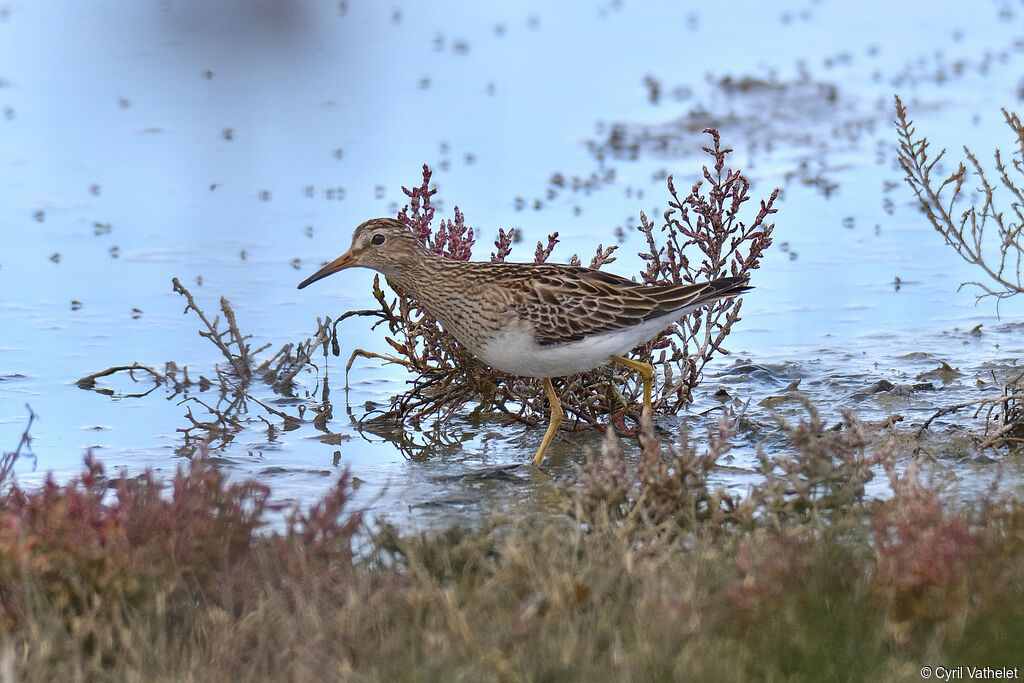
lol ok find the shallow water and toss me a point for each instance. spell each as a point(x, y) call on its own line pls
point(234, 145)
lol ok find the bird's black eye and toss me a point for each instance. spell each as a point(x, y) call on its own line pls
point(377, 240)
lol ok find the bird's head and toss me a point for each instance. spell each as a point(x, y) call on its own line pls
point(383, 244)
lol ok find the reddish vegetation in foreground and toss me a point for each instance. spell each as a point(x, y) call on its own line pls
point(654, 573)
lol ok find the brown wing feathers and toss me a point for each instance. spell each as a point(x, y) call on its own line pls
point(675, 297)
point(591, 302)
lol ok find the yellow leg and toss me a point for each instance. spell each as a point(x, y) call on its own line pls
point(556, 419)
point(645, 371)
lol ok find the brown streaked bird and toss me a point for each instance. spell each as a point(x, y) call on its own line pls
point(539, 320)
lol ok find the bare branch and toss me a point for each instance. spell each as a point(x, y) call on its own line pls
point(998, 256)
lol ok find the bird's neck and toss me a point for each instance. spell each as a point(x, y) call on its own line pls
point(420, 278)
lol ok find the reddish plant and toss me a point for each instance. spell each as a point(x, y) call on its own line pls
point(925, 557)
point(668, 487)
point(95, 549)
point(324, 532)
point(704, 225)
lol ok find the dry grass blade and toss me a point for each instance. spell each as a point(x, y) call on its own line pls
point(10, 458)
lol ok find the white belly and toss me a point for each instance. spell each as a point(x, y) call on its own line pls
point(516, 352)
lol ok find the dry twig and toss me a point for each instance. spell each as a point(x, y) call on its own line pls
point(9, 458)
point(997, 255)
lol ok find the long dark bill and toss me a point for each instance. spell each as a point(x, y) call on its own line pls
point(346, 260)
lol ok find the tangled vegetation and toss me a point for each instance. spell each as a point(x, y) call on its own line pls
point(655, 573)
point(985, 233)
point(703, 237)
point(216, 421)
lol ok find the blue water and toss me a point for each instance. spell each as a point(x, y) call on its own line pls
point(237, 144)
